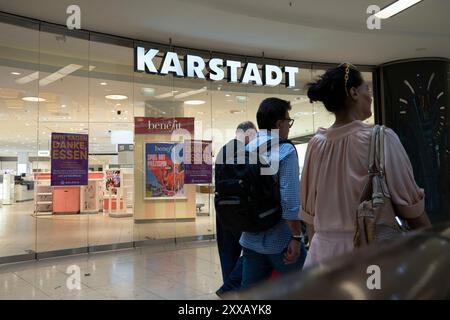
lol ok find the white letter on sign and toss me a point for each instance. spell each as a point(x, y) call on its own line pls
point(232, 70)
point(194, 66)
point(145, 60)
point(218, 72)
point(290, 76)
point(269, 71)
point(251, 73)
point(171, 63)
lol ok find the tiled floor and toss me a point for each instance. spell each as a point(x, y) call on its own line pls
point(183, 271)
point(20, 231)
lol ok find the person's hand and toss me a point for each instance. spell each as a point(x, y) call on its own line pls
point(292, 253)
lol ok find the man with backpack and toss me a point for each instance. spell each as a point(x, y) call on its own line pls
point(228, 238)
point(263, 199)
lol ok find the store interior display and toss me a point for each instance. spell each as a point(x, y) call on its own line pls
point(8, 189)
point(23, 188)
point(118, 193)
point(95, 197)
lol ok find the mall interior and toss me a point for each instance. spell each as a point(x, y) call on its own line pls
point(134, 241)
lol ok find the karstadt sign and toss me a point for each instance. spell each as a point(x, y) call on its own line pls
point(195, 67)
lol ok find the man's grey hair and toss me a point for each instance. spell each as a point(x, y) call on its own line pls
point(246, 125)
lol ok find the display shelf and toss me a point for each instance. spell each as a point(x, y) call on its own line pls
point(44, 213)
point(43, 195)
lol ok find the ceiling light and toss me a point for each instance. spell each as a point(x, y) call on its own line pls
point(148, 92)
point(228, 95)
point(116, 97)
point(164, 95)
point(63, 106)
point(194, 102)
point(61, 73)
point(241, 99)
point(190, 93)
point(91, 68)
point(31, 77)
point(395, 8)
point(33, 99)
point(16, 73)
point(296, 89)
point(103, 83)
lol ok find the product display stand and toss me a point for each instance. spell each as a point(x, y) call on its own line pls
point(128, 186)
point(8, 189)
point(43, 195)
point(116, 205)
point(89, 197)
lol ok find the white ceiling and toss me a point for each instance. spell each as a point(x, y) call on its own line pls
point(310, 30)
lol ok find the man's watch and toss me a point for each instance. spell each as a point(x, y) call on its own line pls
point(297, 237)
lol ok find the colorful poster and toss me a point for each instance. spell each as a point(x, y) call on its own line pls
point(69, 159)
point(198, 161)
point(164, 171)
point(147, 125)
point(112, 180)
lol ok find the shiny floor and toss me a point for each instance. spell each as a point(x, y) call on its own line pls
point(21, 232)
point(175, 272)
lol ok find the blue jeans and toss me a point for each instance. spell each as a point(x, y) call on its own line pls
point(230, 257)
point(258, 267)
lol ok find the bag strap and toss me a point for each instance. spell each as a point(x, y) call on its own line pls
point(377, 153)
point(372, 167)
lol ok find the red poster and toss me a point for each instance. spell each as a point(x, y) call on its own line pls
point(146, 125)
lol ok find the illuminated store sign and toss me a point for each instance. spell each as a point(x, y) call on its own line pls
point(195, 67)
point(148, 125)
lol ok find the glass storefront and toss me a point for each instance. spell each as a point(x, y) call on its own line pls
point(56, 81)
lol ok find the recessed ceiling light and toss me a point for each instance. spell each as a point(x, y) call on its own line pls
point(116, 97)
point(33, 99)
point(228, 95)
point(194, 102)
point(63, 106)
point(16, 73)
point(103, 83)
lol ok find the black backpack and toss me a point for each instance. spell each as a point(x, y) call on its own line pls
point(244, 199)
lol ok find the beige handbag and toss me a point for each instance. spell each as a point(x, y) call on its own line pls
point(376, 218)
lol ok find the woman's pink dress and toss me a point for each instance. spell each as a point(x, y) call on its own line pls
point(333, 177)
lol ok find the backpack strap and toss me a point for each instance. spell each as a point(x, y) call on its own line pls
point(284, 141)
